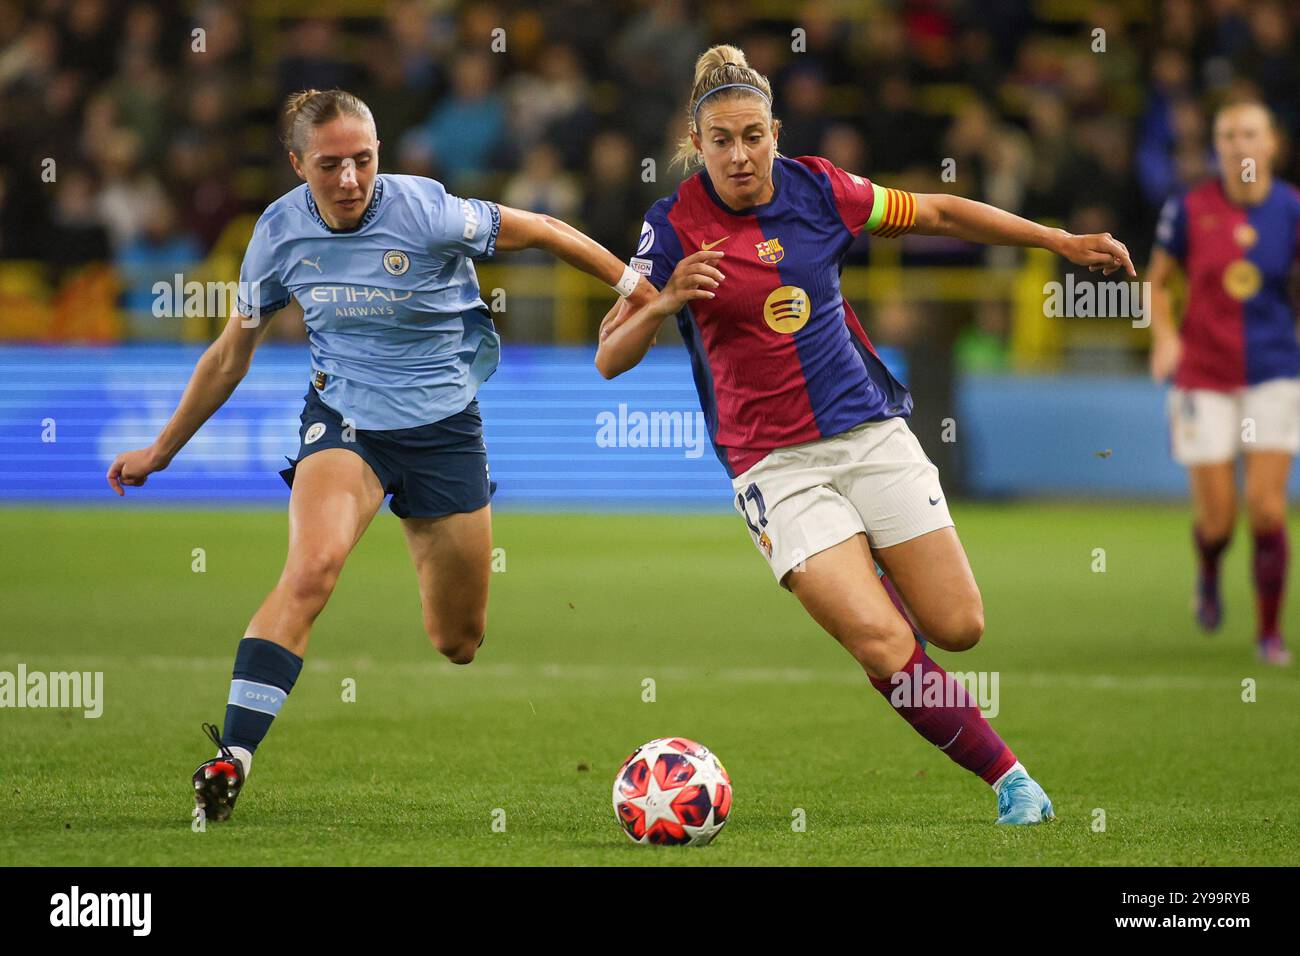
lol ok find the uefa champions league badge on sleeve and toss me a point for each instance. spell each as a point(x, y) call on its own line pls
point(647, 239)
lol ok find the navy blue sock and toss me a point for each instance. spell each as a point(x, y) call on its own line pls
point(264, 674)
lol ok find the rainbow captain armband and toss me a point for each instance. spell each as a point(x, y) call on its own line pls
point(893, 212)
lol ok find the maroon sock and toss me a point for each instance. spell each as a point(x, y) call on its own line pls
point(1210, 553)
point(888, 585)
point(1270, 577)
point(959, 730)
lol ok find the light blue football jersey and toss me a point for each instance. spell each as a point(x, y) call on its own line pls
point(392, 307)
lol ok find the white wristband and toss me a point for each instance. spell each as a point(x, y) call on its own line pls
point(628, 283)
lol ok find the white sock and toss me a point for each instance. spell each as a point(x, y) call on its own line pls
point(245, 757)
point(997, 784)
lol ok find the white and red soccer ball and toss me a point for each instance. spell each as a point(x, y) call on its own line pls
point(672, 792)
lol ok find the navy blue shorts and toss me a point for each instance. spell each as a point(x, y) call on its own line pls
point(430, 470)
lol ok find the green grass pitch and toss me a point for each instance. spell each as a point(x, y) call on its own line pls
point(1108, 694)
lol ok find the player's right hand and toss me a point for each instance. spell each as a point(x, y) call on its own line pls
point(1166, 351)
point(133, 468)
point(694, 278)
point(1099, 251)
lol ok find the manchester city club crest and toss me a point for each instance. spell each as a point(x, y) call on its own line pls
point(770, 251)
point(396, 262)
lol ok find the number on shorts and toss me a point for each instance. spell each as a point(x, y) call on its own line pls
point(753, 494)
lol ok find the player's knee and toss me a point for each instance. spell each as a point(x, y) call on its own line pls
point(1215, 524)
point(875, 640)
point(464, 654)
point(311, 579)
point(1267, 513)
point(458, 643)
point(1220, 530)
point(962, 630)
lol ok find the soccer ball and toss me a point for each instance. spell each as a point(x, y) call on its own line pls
point(672, 792)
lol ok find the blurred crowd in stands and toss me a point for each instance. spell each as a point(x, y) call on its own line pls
point(160, 118)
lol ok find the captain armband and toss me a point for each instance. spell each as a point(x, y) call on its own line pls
point(893, 212)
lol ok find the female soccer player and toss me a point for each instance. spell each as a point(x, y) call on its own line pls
point(804, 416)
point(379, 267)
point(1236, 359)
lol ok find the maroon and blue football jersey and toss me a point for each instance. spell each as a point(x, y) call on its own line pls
point(778, 356)
point(1239, 325)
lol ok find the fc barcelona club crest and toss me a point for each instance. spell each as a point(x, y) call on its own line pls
point(1242, 279)
point(396, 262)
point(770, 251)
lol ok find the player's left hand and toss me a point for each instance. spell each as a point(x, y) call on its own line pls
point(619, 313)
point(1098, 251)
point(622, 309)
point(616, 316)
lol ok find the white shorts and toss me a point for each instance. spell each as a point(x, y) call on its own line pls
point(1207, 427)
point(806, 498)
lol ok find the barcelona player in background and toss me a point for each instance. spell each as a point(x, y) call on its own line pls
point(1235, 360)
point(379, 267)
point(803, 414)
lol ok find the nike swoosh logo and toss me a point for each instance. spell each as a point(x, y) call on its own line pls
point(935, 501)
point(706, 246)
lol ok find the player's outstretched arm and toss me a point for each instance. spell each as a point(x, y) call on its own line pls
point(221, 368)
point(938, 214)
point(521, 229)
point(627, 332)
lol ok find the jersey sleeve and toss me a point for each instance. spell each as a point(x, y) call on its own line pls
point(1295, 206)
point(260, 289)
point(861, 204)
point(466, 227)
point(1171, 230)
point(657, 250)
